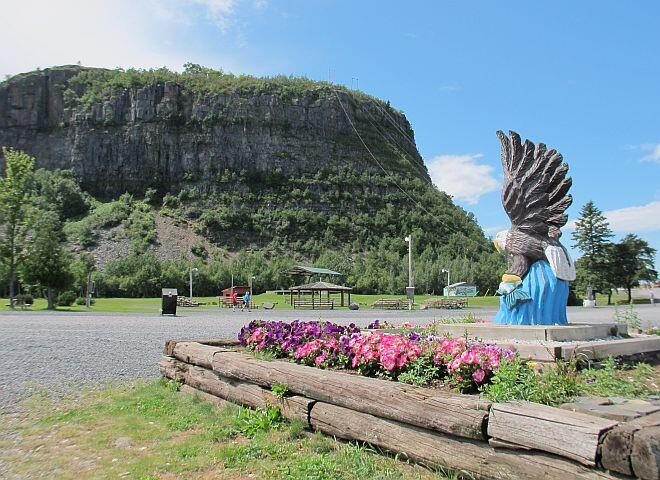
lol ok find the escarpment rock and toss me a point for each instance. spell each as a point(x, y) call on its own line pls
point(168, 136)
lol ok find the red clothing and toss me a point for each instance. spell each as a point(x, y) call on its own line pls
point(233, 298)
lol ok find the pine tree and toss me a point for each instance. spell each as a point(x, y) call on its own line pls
point(591, 235)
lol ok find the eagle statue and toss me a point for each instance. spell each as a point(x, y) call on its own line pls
point(535, 196)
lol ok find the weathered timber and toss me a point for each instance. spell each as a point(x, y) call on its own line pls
point(207, 397)
point(613, 348)
point(242, 393)
point(569, 434)
point(432, 448)
point(645, 456)
point(196, 353)
point(214, 342)
point(460, 415)
point(617, 445)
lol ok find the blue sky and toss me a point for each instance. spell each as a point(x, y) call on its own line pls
point(583, 77)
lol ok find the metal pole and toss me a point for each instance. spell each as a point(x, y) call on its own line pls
point(88, 298)
point(191, 280)
point(410, 273)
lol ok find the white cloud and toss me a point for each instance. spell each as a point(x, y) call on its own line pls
point(462, 177)
point(138, 33)
point(449, 88)
point(219, 12)
point(495, 229)
point(654, 153)
point(642, 218)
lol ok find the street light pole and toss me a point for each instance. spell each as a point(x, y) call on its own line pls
point(410, 291)
point(191, 281)
point(448, 281)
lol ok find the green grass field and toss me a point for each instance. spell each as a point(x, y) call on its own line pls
point(149, 431)
point(152, 305)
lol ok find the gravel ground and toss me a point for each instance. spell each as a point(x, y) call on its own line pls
point(58, 353)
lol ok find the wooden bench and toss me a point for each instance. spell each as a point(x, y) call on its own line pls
point(450, 303)
point(316, 304)
point(390, 303)
point(186, 302)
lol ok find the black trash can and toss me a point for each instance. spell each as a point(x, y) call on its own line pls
point(169, 301)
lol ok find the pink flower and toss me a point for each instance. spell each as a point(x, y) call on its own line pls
point(478, 375)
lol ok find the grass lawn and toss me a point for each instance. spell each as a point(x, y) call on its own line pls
point(152, 305)
point(151, 431)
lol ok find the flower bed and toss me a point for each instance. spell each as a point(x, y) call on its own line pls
point(413, 358)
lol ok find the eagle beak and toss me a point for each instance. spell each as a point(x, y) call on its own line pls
point(497, 246)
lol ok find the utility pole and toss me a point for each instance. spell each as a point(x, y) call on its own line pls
point(410, 290)
point(191, 281)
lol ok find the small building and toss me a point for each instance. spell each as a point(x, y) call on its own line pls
point(460, 289)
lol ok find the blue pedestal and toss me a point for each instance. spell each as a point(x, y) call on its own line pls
point(548, 304)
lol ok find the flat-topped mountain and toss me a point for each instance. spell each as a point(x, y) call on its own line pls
point(129, 131)
point(216, 164)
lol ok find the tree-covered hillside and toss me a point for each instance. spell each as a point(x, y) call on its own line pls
point(158, 171)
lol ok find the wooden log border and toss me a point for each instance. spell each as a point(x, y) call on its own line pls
point(459, 432)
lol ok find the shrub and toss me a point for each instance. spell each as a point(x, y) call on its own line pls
point(24, 298)
point(81, 301)
point(66, 299)
point(517, 379)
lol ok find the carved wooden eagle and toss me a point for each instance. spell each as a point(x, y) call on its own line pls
point(535, 197)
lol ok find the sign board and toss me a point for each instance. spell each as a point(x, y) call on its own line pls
point(465, 290)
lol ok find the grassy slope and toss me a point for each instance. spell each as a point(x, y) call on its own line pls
point(150, 431)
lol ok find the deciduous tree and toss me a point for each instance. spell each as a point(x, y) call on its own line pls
point(46, 262)
point(15, 193)
point(631, 261)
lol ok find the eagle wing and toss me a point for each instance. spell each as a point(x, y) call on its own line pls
point(535, 192)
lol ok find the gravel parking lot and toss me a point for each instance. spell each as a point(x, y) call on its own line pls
point(57, 353)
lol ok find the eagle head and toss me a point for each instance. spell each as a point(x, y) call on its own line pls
point(500, 241)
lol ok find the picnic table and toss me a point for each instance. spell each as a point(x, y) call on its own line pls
point(448, 303)
point(313, 304)
point(390, 304)
point(186, 302)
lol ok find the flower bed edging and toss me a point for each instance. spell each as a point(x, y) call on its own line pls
point(419, 444)
point(306, 401)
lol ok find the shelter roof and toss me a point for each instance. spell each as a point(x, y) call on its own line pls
point(458, 284)
point(321, 286)
point(303, 270)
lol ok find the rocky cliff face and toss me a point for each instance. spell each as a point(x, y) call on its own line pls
point(167, 136)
